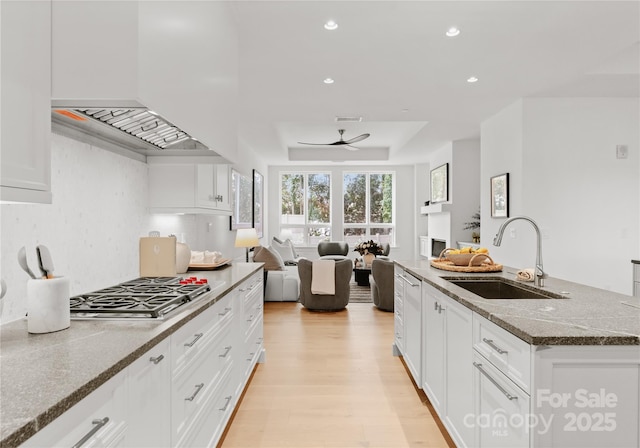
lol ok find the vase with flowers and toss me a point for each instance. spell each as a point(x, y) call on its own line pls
point(368, 250)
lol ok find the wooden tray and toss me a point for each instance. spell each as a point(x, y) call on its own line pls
point(208, 266)
point(446, 265)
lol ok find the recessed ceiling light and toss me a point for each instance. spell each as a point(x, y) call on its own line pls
point(472, 79)
point(452, 32)
point(328, 80)
point(330, 25)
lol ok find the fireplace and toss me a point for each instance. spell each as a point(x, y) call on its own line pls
point(437, 246)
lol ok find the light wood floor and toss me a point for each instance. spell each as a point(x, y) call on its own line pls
point(330, 380)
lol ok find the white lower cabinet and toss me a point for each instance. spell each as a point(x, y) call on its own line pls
point(100, 419)
point(413, 326)
point(500, 411)
point(182, 392)
point(398, 310)
point(447, 370)
point(149, 392)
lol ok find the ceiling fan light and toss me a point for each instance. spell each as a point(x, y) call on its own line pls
point(452, 32)
point(330, 25)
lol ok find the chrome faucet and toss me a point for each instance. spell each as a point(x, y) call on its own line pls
point(540, 275)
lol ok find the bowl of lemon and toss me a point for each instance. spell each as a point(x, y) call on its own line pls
point(466, 256)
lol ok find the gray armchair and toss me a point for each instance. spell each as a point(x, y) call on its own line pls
point(321, 302)
point(381, 280)
point(336, 250)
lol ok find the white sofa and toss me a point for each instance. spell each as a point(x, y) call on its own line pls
point(282, 286)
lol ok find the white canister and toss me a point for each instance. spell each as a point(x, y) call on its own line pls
point(48, 305)
point(183, 258)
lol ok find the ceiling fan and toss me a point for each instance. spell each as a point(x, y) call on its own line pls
point(342, 141)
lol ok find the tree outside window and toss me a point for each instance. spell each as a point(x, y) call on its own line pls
point(368, 205)
point(305, 207)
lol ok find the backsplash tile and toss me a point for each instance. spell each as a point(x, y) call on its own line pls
point(92, 228)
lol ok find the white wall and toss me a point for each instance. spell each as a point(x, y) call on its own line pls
point(406, 240)
point(92, 226)
point(561, 156)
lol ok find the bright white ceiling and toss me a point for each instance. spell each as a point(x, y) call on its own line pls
point(394, 66)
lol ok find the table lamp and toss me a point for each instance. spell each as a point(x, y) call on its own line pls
point(247, 238)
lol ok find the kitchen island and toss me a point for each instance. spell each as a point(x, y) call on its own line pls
point(561, 371)
point(44, 375)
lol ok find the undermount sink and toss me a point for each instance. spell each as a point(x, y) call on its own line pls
point(499, 288)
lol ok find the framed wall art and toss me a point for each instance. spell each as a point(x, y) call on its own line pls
point(500, 196)
point(241, 201)
point(258, 199)
point(440, 184)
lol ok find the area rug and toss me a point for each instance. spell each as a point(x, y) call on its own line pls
point(359, 294)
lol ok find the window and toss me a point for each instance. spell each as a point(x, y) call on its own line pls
point(305, 207)
point(368, 204)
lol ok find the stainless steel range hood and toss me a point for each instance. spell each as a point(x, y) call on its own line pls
point(126, 124)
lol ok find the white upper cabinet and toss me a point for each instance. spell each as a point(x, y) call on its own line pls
point(188, 188)
point(179, 59)
point(25, 117)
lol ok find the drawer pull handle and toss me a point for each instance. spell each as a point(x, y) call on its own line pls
point(99, 423)
point(227, 349)
point(198, 389)
point(226, 405)
point(197, 336)
point(491, 344)
point(408, 281)
point(156, 359)
point(250, 318)
point(495, 383)
point(226, 311)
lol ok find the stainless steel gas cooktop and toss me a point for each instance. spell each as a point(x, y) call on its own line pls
point(142, 298)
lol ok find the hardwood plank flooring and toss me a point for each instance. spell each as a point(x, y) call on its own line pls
point(330, 380)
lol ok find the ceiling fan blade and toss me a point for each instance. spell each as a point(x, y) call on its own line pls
point(359, 138)
point(320, 144)
point(352, 148)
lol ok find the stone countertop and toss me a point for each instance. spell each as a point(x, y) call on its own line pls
point(43, 375)
point(587, 316)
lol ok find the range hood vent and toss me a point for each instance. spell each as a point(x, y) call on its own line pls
point(128, 125)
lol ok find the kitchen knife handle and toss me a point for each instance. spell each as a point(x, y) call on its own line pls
point(98, 423)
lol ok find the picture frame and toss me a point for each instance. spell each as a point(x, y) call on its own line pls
point(500, 196)
point(257, 216)
point(440, 184)
point(241, 201)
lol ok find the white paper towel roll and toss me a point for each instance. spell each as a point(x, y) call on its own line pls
point(48, 305)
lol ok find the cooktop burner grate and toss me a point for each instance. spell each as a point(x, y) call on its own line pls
point(141, 297)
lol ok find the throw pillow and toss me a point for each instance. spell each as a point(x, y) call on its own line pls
point(271, 259)
point(285, 249)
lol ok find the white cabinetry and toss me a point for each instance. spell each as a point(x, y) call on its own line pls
point(25, 116)
point(447, 369)
point(100, 419)
point(189, 188)
point(411, 319)
point(181, 392)
point(398, 307)
point(149, 392)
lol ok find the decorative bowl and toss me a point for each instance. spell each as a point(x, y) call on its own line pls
point(475, 259)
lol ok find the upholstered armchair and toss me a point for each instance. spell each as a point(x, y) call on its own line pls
point(336, 250)
point(381, 280)
point(322, 302)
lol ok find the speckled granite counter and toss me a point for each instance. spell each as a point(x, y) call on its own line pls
point(587, 316)
point(43, 375)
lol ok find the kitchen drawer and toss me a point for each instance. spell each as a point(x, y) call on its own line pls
point(398, 329)
point(100, 419)
point(253, 345)
point(511, 355)
point(500, 408)
point(194, 338)
point(194, 390)
point(208, 428)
